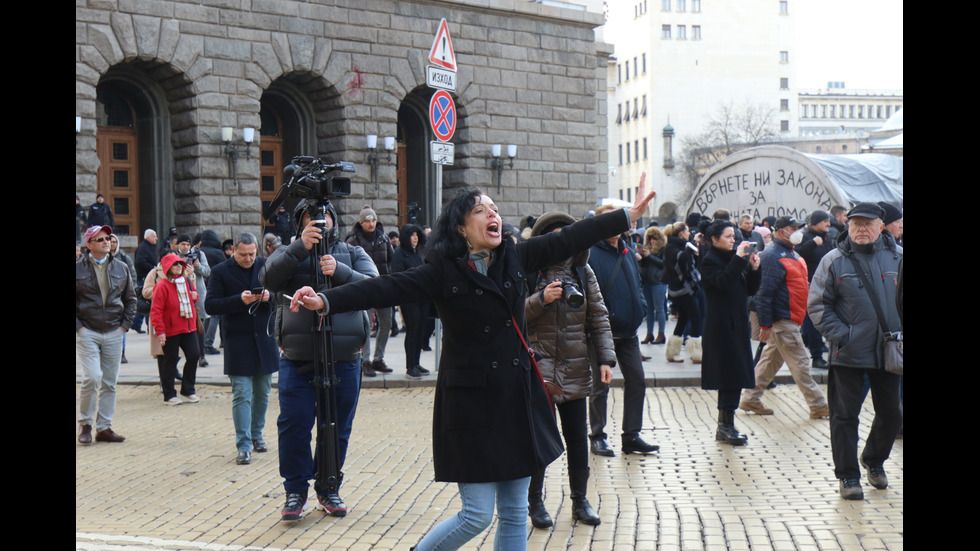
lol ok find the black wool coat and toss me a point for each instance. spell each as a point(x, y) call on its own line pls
point(250, 350)
point(491, 419)
point(728, 281)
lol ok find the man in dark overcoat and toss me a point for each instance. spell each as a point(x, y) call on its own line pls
point(251, 355)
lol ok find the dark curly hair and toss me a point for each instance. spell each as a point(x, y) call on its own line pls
point(446, 241)
point(716, 228)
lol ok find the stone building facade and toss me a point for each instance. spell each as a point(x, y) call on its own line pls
point(156, 81)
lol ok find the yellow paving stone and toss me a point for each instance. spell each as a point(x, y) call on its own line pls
point(174, 482)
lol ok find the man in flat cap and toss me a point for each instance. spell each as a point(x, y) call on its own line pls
point(852, 284)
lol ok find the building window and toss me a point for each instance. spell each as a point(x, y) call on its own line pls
point(644, 149)
point(636, 108)
point(665, 5)
point(784, 126)
point(784, 56)
point(682, 32)
point(696, 32)
point(619, 113)
point(627, 71)
point(620, 154)
point(784, 105)
point(784, 83)
point(665, 32)
point(619, 73)
point(696, 6)
point(627, 153)
point(644, 63)
point(644, 111)
point(783, 7)
point(681, 5)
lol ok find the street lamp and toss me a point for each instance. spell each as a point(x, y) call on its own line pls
point(374, 158)
point(233, 151)
point(496, 163)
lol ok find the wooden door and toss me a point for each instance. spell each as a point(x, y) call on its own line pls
point(270, 173)
point(118, 176)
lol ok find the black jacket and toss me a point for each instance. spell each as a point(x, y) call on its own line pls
point(99, 214)
point(620, 286)
point(287, 270)
point(377, 246)
point(728, 281)
point(492, 420)
point(249, 347)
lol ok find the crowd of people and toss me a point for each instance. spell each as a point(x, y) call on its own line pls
point(576, 292)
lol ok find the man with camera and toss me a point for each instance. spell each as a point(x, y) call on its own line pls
point(198, 270)
point(618, 273)
point(250, 355)
point(781, 306)
point(852, 302)
point(289, 268)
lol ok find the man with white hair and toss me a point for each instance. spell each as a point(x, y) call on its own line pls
point(145, 260)
point(852, 303)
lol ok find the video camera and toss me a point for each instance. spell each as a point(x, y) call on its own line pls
point(310, 178)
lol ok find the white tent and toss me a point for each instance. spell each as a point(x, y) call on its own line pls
point(776, 180)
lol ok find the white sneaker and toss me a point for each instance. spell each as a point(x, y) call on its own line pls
point(175, 401)
point(192, 398)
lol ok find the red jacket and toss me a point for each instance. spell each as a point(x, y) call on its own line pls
point(165, 312)
point(782, 295)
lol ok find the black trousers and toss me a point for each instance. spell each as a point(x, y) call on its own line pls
point(168, 367)
point(687, 311)
point(630, 363)
point(845, 395)
point(575, 430)
point(414, 315)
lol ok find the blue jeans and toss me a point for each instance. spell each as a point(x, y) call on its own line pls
point(297, 417)
point(249, 402)
point(477, 514)
point(99, 355)
point(656, 297)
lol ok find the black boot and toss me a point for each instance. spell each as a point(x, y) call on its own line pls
point(726, 429)
point(535, 505)
point(581, 510)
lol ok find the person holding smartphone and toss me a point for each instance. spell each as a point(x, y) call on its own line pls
point(729, 275)
point(251, 355)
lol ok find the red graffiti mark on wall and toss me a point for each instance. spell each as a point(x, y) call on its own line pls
point(358, 80)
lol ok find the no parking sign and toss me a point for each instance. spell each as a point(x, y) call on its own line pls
point(442, 115)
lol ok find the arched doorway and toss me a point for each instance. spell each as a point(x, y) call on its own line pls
point(416, 172)
point(289, 121)
point(134, 147)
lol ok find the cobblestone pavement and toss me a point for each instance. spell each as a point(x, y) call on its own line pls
point(174, 483)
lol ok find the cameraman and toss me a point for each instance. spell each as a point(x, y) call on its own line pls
point(288, 269)
point(198, 270)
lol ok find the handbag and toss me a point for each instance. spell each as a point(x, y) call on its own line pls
point(892, 341)
point(143, 305)
point(549, 387)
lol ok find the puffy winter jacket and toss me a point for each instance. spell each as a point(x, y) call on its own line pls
point(782, 295)
point(287, 270)
point(839, 305)
point(560, 334)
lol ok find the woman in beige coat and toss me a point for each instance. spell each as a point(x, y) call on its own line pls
point(565, 314)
